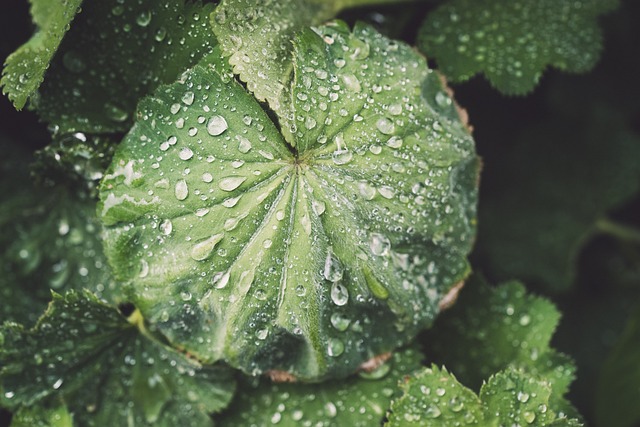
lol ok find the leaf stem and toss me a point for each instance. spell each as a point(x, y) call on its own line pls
point(619, 231)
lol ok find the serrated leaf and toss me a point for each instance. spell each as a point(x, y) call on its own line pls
point(50, 240)
point(116, 53)
point(552, 194)
point(47, 415)
point(490, 329)
point(433, 397)
point(310, 259)
point(109, 371)
point(24, 69)
point(358, 401)
point(512, 42)
point(618, 393)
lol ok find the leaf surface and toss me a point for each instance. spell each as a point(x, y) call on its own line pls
point(309, 258)
point(114, 54)
point(108, 371)
point(24, 69)
point(358, 401)
point(433, 397)
point(512, 42)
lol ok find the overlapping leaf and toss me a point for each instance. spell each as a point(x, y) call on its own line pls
point(309, 257)
point(24, 69)
point(109, 371)
point(359, 401)
point(557, 186)
point(512, 42)
point(434, 398)
point(50, 240)
point(117, 52)
point(489, 330)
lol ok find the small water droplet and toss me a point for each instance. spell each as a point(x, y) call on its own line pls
point(366, 190)
point(340, 321)
point(185, 153)
point(318, 207)
point(379, 244)
point(207, 177)
point(57, 384)
point(188, 97)
point(216, 125)
point(529, 416)
point(166, 227)
point(333, 269)
point(144, 18)
point(335, 347)
point(220, 280)
point(341, 157)
point(244, 145)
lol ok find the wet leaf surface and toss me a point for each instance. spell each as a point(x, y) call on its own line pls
point(108, 371)
point(311, 256)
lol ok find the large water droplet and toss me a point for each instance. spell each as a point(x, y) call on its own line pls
point(366, 190)
point(379, 244)
point(181, 190)
point(185, 153)
point(341, 157)
point(339, 294)
point(335, 347)
point(385, 125)
point(188, 97)
point(203, 249)
point(318, 207)
point(166, 227)
point(244, 145)
point(220, 280)
point(144, 18)
point(230, 183)
point(333, 269)
point(340, 321)
point(216, 125)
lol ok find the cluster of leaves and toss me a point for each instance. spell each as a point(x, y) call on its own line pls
point(243, 188)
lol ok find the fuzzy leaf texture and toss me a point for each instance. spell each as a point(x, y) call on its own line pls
point(310, 257)
point(358, 401)
point(24, 69)
point(492, 329)
point(108, 371)
point(512, 41)
point(434, 398)
point(114, 54)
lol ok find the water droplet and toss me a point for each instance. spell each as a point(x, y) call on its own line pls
point(310, 123)
point(318, 207)
point(203, 249)
point(166, 227)
point(456, 404)
point(525, 320)
point(387, 192)
point(9, 394)
point(432, 411)
point(385, 125)
point(262, 334)
point(207, 177)
point(440, 391)
point(523, 397)
point(185, 153)
point(188, 97)
point(339, 62)
point(330, 409)
point(220, 280)
point(144, 18)
point(144, 269)
point(333, 269)
point(116, 113)
point(341, 157)
point(244, 145)
point(186, 296)
point(335, 347)
point(181, 190)
point(379, 244)
point(395, 142)
point(340, 321)
point(230, 183)
point(529, 416)
point(216, 125)
point(442, 100)
point(57, 384)
point(366, 190)
point(339, 294)
point(351, 82)
point(73, 62)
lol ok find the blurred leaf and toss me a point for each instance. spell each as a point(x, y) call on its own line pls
point(434, 398)
point(310, 258)
point(560, 180)
point(117, 52)
point(618, 391)
point(50, 240)
point(24, 69)
point(512, 41)
point(42, 415)
point(358, 401)
point(110, 372)
point(490, 329)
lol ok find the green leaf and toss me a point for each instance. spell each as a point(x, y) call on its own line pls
point(490, 329)
point(618, 393)
point(116, 53)
point(433, 397)
point(24, 69)
point(308, 259)
point(512, 41)
point(42, 416)
point(358, 401)
point(109, 371)
point(50, 240)
point(552, 194)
